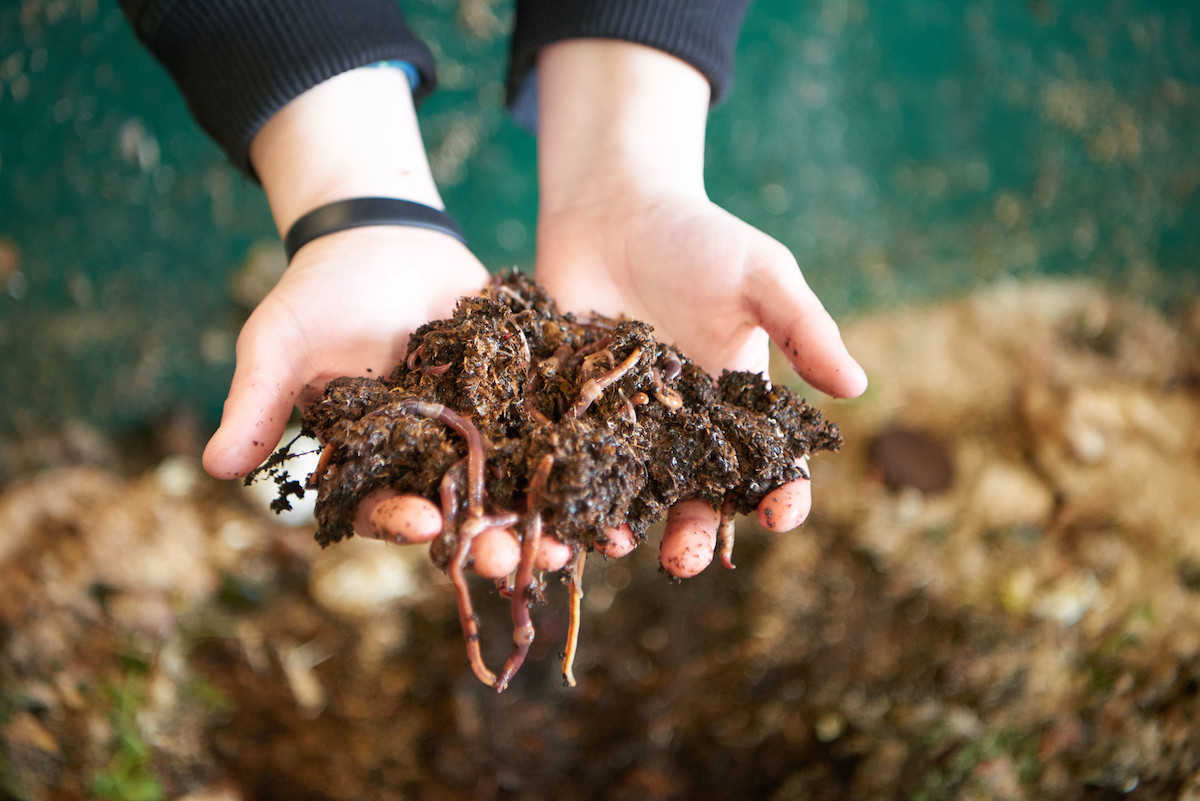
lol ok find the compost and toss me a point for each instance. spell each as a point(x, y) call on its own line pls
point(510, 414)
point(160, 638)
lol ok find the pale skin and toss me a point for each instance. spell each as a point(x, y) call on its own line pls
point(625, 227)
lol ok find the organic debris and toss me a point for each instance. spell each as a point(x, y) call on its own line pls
point(1027, 632)
point(510, 412)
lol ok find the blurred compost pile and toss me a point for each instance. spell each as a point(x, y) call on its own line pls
point(996, 597)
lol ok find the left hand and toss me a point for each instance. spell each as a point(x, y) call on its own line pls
point(709, 283)
point(348, 301)
point(716, 288)
point(626, 227)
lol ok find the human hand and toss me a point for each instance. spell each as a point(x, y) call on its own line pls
point(346, 306)
point(626, 227)
point(348, 301)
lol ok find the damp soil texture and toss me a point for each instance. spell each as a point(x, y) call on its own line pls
point(631, 424)
point(511, 413)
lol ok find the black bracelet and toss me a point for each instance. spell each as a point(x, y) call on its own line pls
point(360, 211)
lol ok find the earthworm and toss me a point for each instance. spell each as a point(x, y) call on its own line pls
point(498, 520)
point(726, 531)
point(665, 395)
point(673, 367)
point(627, 407)
point(536, 375)
point(448, 491)
point(476, 520)
point(437, 369)
point(414, 357)
point(533, 382)
point(589, 364)
point(587, 350)
point(466, 610)
point(551, 365)
point(639, 399)
point(314, 478)
point(523, 631)
point(595, 386)
point(669, 398)
point(462, 593)
point(573, 626)
point(468, 431)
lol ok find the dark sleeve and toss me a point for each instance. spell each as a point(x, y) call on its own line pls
point(237, 62)
point(703, 33)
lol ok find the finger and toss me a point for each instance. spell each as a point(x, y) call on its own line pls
point(617, 542)
point(796, 321)
point(402, 519)
point(787, 506)
point(553, 554)
point(690, 538)
point(265, 387)
point(496, 553)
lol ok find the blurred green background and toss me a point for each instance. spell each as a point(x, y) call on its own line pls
point(901, 149)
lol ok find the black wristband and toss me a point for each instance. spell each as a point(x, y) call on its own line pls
point(361, 211)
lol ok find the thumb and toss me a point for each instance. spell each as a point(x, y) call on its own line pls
point(266, 385)
point(796, 321)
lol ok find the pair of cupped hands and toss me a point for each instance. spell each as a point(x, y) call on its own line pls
point(625, 228)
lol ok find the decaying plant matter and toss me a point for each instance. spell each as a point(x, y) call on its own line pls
point(509, 412)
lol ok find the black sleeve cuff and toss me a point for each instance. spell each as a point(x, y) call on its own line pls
point(237, 62)
point(703, 33)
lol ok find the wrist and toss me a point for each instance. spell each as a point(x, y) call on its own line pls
point(355, 135)
point(366, 212)
point(616, 117)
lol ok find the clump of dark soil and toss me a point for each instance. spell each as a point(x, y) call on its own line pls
point(510, 412)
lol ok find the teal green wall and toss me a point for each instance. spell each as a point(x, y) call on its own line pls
point(901, 149)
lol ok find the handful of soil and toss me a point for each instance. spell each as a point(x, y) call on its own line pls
point(510, 412)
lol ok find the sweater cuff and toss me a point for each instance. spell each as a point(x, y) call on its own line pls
point(703, 33)
point(237, 62)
